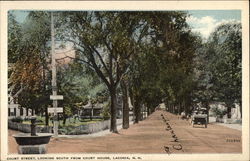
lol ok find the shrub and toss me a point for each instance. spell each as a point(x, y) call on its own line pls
point(17, 119)
point(39, 122)
point(62, 131)
point(219, 112)
point(105, 112)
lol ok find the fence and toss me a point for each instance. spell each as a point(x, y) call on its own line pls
point(82, 129)
point(26, 127)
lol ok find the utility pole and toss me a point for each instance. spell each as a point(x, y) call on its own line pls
point(54, 95)
point(54, 85)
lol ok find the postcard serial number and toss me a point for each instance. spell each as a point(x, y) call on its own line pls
point(232, 140)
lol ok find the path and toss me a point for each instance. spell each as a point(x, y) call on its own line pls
point(150, 136)
point(232, 126)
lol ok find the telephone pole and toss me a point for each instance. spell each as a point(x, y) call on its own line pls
point(53, 65)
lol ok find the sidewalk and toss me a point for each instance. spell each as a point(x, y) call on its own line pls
point(232, 126)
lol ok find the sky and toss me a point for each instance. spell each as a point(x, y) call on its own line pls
point(202, 21)
point(205, 21)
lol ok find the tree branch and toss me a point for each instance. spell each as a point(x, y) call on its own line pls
point(100, 57)
point(98, 71)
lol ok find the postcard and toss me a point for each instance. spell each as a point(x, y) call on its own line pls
point(124, 80)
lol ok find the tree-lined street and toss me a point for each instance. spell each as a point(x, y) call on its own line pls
point(151, 66)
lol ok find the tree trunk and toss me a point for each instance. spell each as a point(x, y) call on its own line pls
point(64, 119)
point(141, 117)
point(185, 107)
point(46, 117)
point(113, 108)
point(179, 108)
point(91, 112)
point(208, 108)
point(137, 110)
point(125, 111)
point(229, 111)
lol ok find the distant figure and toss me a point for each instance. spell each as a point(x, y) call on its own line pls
point(183, 115)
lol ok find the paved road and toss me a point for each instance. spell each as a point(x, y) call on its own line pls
point(151, 136)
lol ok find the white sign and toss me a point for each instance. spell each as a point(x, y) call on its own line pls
point(56, 97)
point(57, 110)
point(13, 105)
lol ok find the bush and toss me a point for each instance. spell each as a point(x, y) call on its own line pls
point(17, 119)
point(105, 112)
point(39, 122)
point(62, 131)
point(219, 112)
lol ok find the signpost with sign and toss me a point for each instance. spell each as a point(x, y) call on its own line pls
point(54, 95)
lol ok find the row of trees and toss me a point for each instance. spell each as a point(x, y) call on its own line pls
point(151, 57)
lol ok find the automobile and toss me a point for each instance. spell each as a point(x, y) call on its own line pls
point(199, 117)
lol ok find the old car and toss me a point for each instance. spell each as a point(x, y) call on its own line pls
point(199, 117)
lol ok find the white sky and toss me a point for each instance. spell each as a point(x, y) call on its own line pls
point(205, 22)
point(202, 21)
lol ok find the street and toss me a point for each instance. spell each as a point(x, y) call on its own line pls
point(151, 136)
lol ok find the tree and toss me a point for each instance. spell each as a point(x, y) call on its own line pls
point(224, 50)
point(78, 86)
point(29, 52)
point(14, 38)
point(125, 106)
point(164, 70)
point(104, 41)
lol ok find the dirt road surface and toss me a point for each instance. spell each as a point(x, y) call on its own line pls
point(151, 136)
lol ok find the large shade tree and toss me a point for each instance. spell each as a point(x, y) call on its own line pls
point(105, 41)
point(28, 50)
point(79, 85)
point(224, 55)
point(164, 72)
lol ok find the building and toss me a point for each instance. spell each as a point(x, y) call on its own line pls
point(91, 111)
point(94, 110)
point(15, 110)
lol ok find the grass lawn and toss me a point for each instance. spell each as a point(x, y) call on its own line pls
point(69, 122)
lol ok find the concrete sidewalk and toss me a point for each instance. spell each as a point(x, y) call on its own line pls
point(232, 126)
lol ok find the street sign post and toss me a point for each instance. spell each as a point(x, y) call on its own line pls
point(54, 96)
